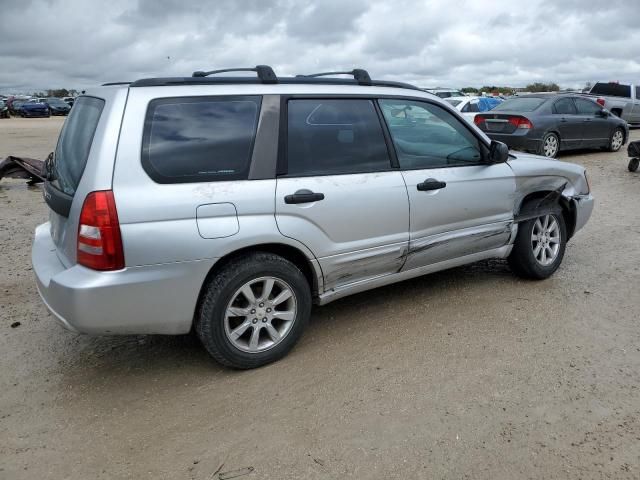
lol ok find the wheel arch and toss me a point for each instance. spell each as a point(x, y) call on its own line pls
point(541, 200)
point(311, 272)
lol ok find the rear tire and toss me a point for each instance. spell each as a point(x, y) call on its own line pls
point(633, 164)
point(616, 140)
point(539, 246)
point(550, 145)
point(228, 319)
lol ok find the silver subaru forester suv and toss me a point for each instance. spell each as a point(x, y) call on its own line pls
point(228, 205)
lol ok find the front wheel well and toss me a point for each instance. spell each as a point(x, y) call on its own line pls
point(568, 209)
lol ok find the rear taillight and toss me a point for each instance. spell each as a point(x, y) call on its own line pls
point(99, 240)
point(600, 102)
point(520, 122)
point(478, 120)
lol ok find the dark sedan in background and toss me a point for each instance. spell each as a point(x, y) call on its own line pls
point(57, 106)
point(34, 109)
point(546, 124)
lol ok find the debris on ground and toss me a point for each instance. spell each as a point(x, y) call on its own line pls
point(15, 324)
point(22, 167)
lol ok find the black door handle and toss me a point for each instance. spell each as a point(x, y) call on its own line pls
point(431, 184)
point(304, 196)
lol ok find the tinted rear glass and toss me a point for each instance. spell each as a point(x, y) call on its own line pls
point(74, 144)
point(520, 104)
point(612, 89)
point(199, 139)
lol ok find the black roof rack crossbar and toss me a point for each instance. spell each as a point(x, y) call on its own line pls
point(265, 73)
point(361, 76)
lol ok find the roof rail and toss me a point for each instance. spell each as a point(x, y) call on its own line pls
point(361, 76)
point(265, 73)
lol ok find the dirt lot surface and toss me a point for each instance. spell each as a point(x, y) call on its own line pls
point(470, 373)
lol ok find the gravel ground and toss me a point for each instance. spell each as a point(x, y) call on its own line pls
point(469, 373)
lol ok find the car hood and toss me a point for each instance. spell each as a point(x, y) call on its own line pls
point(527, 165)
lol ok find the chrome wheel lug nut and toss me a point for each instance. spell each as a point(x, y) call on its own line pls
point(255, 320)
point(262, 304)
point(264, 320)
point(253, 310)
point(268, 310)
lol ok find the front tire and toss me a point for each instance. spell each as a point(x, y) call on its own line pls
point(539, 246)
point(550, 145)
point(616, 140)
point(253, 311)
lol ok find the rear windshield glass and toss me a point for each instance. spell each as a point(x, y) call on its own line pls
point(612, 89)
point(520, 104)
point(199, 139)
point(74, 143)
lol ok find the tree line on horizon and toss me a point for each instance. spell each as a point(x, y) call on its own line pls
point(532, 87)
point(56, 92)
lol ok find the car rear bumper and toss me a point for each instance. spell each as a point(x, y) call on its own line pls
point(517, 141)
point(152, 299)
point(584, 207)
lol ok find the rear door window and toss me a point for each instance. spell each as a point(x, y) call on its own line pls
point(587, 107)
point(333, 137)
point(199, 139)
point(564, 106)
point(74, 144)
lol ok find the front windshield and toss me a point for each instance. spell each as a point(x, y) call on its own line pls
point(455, 103)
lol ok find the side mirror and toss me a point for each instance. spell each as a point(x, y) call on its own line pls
point(498, 152)
point(602, 113)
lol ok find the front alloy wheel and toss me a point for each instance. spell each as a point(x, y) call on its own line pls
point(540, 243)
point(545, 240)
point(617, 139)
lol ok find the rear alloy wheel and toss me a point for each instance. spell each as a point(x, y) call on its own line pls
point(616, 140)
point(253, 311)
point(539, 246)
point(550, 145)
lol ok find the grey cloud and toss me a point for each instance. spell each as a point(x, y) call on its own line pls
point(80, 43)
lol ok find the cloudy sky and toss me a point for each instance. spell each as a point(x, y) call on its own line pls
point(80, 43)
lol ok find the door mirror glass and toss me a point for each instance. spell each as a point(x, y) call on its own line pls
point(498, 152)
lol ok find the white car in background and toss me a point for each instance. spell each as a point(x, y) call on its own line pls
point(469, 106)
